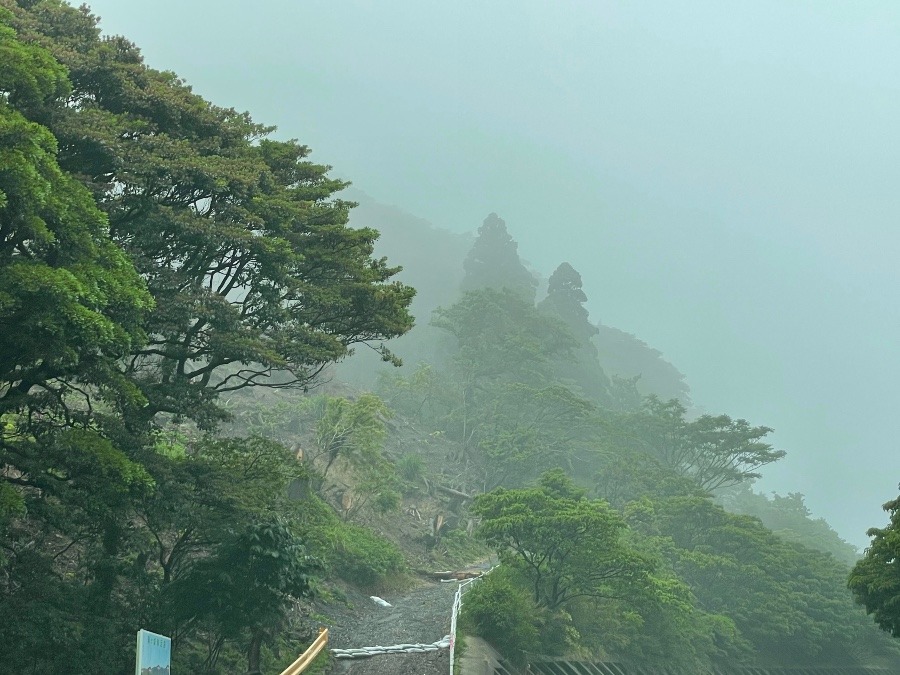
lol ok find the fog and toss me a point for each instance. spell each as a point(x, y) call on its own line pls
point(722, 175)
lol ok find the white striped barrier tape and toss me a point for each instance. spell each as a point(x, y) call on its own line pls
point(366, 652)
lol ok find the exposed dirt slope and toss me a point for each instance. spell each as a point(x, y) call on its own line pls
point(419, 615)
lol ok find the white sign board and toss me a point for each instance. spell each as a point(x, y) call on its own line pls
point(154, 654)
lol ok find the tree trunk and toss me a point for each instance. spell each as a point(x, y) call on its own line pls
point(253, 653)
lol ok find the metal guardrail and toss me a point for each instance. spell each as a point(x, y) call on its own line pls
point(306, 658)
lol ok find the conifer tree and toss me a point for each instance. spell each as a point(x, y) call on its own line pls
point(494, 262)
point(565, 301)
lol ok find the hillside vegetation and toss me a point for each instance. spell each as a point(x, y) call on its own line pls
point(180, 452)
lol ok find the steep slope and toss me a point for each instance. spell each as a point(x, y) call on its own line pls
point(627, 356)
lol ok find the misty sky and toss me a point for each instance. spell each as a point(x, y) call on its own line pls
point(723, 175)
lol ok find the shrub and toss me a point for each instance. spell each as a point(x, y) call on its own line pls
point(501, 613)
point(458, 548)
point(411, 468)
point(387, 501)
point(362, 558)
point(351, 552)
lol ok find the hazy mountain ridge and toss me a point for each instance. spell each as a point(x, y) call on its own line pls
point(626, 355)
point(432, 258)
point(557, 454)
point(165, 466)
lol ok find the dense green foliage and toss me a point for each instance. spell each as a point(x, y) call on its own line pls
point(787, 600)
point(789, 518)
point(72, 296)
point(250, 580)
point(161, 258)
point(156, 252)
point(875, 580)
point(501, 611)
point(634, 560)
point(588, 586)
point(566, 545)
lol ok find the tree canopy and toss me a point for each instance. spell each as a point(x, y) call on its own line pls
point(787, 600)
point(565, 301)
point(493, 262)
point(568, 546)
point(715, 451)
point(875, 580)
point(257, 279)
point(156, 252)
point(74, 296)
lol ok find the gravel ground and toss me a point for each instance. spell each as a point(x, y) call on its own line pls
point(419, 615)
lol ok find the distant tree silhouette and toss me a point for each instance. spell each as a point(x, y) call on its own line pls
point(494, 262)
point(565, 302)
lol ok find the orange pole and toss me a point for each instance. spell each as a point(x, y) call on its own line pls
point(307, 657)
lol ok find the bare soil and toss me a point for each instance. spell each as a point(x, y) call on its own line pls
point(419, 615)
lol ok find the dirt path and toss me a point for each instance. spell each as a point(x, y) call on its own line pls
point(419, 615)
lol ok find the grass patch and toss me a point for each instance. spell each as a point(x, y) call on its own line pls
point(363, 558)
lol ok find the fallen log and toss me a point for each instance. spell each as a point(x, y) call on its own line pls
point(453, 576)
point(452, 492)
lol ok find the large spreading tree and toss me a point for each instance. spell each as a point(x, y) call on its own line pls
point(257, 278)
point(156, 252)
point(714, 451)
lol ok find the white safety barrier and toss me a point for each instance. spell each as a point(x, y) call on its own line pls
point(454, 613)
point(448, 641)
point(365, 652)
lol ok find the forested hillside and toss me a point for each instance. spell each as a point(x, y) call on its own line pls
point(160, 254)
point(189, 445)
point(606, 506)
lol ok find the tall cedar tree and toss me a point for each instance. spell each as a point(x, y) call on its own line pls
point(565, 301)
point(506, 407)
point(493, 262)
